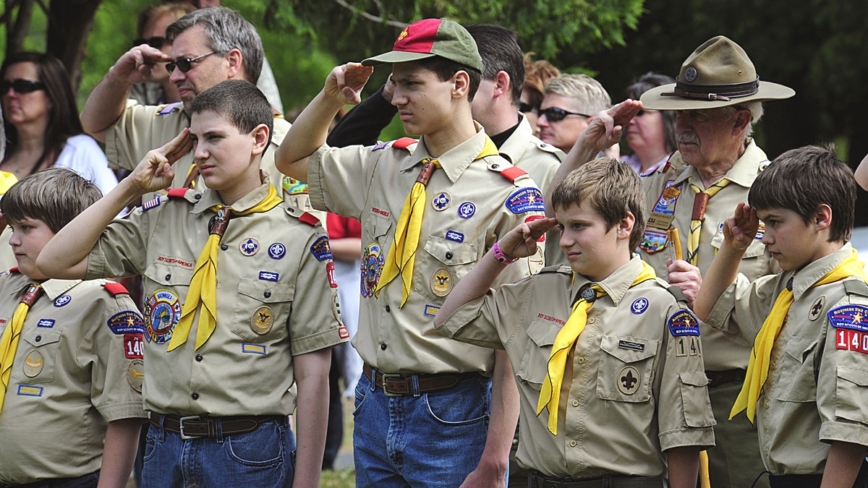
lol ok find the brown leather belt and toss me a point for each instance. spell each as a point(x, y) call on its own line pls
point(537, 480)
point(402, 385)
point(194, 426)
point(717, 378)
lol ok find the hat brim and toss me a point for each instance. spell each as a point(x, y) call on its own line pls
point(654, 99)
point(393, 57)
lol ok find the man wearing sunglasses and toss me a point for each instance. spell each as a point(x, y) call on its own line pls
point(568, 104)
point(209, 46)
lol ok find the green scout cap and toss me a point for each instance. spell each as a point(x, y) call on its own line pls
point(432, 37)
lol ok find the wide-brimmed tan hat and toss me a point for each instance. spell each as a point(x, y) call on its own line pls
point(718, 74)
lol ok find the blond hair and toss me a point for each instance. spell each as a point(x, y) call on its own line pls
point(587, 90)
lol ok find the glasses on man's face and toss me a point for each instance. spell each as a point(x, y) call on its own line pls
point(526, 108)
point(21, 86)
point(186, 65)
point(555, 114)
point(154, 42)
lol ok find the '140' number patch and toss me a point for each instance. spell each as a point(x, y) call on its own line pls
point(133, 346)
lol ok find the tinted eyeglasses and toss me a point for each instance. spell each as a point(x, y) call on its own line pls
point(21, 86)
point(186, 65)
point(154, 42)
point(526, 108)
point(555, 114)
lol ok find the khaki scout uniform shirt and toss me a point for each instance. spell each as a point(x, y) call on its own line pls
point(274, 301)
point(662, 404)
point(78, 366)
point(817, 389)
point(722, 351)
point(371, 184)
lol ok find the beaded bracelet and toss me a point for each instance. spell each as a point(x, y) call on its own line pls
point(498, 254)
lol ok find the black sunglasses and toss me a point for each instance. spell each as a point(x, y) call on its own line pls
point(526, 108)
point(185, 65)
point(555, 114)
point(21, 86)
point(154, 42)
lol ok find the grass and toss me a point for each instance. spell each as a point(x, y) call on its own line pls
point(345, 478)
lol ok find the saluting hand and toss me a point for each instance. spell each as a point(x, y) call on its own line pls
point(522, 241)
point(138, 64)
point(606, 127)
point(740, 229)
point(345, 83)
point(155, 171)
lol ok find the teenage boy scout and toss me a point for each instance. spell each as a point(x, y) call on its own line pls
point(70, 353)
point(423, 400)
point(629, 354)
point(219, 375)
point(807, 382)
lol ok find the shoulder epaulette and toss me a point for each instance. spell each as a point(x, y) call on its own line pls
point(13, 269)
point(856, 287)
point(550, 149)
point(177, 193)
point(404, 142)
point(168, 108)
point(677, 293)
point(556, 269)
point(115, 289)
point(309, 218)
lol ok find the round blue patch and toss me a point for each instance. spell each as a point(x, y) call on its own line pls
point(62, 300)
point(249, 246)
point(466, 210)
point(639, 305)
point(277, 250)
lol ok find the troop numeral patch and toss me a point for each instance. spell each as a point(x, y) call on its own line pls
point(851, 340)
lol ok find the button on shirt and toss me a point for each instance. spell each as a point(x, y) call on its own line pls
point(274, 302)
point(627, 371)
point(817, 386)
point(371, 185)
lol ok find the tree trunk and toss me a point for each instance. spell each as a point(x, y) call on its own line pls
point(69, 23)
point(17, 28)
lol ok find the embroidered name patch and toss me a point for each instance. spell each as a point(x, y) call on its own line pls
point(126, 322)
point(248, 348)
point(30, 390)
point(632, 346)
point(320, 249)
point(852, 330)
point(431, 310)
point(683, 323)
point(525, 200)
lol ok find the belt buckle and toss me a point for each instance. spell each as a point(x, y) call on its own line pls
point(181, 426)
point(383, 384)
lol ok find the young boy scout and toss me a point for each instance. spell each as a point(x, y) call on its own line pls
point(70, 353)
point(423, 402)
point(218, 376)
point(613, 392)
point(807, 381)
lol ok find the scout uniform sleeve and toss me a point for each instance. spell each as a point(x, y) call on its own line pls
point(335, 176)
point(743, 306)
point(842, 380)
point(120, 250)
point(523, 204)
point(115, 354)
point(684, 412)
point(315, 323)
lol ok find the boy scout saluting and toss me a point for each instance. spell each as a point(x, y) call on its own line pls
point(219, 374)
point(70, 353)
point(806, 381)
point(621, 343)
point(423, 400)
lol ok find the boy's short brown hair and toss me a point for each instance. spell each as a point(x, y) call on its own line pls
point(611, 188)
point(54, 196)
point(803, 179)
point(240, 102)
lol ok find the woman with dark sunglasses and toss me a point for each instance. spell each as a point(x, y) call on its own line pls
point(41, 121)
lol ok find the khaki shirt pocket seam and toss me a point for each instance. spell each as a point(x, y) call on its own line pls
point(48, 351)
point(794, 365)
point(255, 296)
point(617, 359)
point(849, 389)
point(534, 362)
point(695, 403)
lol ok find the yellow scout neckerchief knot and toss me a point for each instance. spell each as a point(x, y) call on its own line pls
point(758, 366)
point(402, 256)
point(699, 205)
point(565, 341)
point(203, 286)
point(9, 340)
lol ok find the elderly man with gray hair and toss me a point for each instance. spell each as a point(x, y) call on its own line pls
point(209, 46)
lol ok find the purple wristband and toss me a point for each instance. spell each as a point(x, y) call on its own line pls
point(498, 254)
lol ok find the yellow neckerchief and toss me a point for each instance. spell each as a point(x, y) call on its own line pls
point(758, 366)
point(565, 341)
point(11, 336)
point(203, 286)
point(402, 257)
point(699, 216)
point(6, 181)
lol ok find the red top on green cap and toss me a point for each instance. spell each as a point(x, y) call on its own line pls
point(432, 37)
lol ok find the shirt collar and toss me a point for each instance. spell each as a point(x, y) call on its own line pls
point(210, 198)
point(742, 173)
point(515, 146)
point(806, 277)
point(615, 285)
point(454, 161)
point(55, 288)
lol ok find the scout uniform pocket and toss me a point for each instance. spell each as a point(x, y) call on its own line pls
point(262, 309)
point(536, 355)
point(626, 369)
point(41, 350)
point(796, 370)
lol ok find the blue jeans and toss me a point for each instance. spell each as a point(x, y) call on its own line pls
point(262, 458)
point(431, 440)
point(86, 481)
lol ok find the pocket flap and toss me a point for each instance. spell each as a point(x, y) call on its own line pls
point(449, 252)
point(266, 292)
point(856, 376)
point(42, 337)
point(694, 378)
point(169, 275)
point(629, 349)
point(543, 333)
point(798, 347)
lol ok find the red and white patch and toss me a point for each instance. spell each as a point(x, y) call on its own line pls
point(343, 332)
point(851, 340)
point(530, 219)
point(330, 270)
point(133, 346)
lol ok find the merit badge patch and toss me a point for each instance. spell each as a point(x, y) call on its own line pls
point(441, 201)
point(33, 364)
point(62, 301)
point(653, 241)
point(372, 266)
point(136, 374)
point(441, 282)
point(152, 203)
point(663, 212)
point(162, 312)
point(525, 200)
point(134, 346)
point(320, 249)
point(249, 246)
point(629, 380)
point(454, 236)
point(29, 390)
point(294, 187)
point(639, 305)
point(431, 310)
point(268, 276)
point(852, 330)
point(262, 320)
point(46, 323)
point(466, 210)
point(126, 322)
point(276, 251)
point(250, 348)
point(683, 323)
point(817, 308)
point(330, 273)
